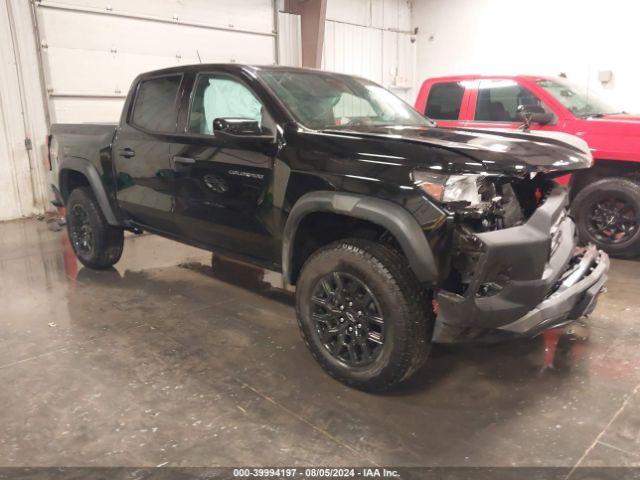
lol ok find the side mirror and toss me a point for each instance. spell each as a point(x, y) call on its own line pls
point(237, 126)
point(533, 114)
point(241, 129)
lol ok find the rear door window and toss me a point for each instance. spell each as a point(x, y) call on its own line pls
point(444, 101)
point(498, 101)
point(155, 104)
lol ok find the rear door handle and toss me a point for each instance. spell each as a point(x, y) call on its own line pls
point(183, 160)
point(127, 152)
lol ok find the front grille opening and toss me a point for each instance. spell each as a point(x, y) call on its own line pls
point(514, 201)
point(506, 202)
point(466, 255)
point(533, 192)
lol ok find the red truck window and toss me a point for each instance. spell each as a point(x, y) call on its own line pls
point(444, 101)
point(498, 101)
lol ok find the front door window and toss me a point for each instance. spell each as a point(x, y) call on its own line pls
point(217, 96)
point(498, 101)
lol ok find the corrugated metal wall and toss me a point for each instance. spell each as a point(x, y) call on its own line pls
point(289, 40)
point(373, 39)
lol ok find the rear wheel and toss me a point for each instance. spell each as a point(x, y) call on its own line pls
point(96, 243)
point(607, 213)
point(363, 314)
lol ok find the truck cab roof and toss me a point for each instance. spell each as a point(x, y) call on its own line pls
point(233, 68)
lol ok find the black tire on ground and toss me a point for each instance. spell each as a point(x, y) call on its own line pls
point(357, 270)
point(96, 243)
point(607, 200)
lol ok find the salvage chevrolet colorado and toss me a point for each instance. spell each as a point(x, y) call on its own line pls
point(397, 234)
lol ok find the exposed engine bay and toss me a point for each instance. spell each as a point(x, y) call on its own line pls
point(503, 202)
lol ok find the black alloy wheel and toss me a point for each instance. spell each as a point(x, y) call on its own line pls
point(348, 319)
point(80, 230)
point(607, 214)
point(363, 314)
point(96, 243)
point(613, 220)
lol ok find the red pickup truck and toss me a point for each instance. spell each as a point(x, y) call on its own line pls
point(605, 198)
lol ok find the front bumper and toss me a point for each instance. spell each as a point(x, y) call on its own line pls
point(525, 279)
point(575, 296)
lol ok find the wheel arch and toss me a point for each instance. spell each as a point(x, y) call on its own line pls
point(602, 169)
point(72, 169)
point(382, 213)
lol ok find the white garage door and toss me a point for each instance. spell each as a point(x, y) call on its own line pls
point(93, 49)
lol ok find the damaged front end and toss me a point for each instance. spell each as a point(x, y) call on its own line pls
point(514, 267)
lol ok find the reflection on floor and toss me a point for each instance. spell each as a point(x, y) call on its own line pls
point(168, 359)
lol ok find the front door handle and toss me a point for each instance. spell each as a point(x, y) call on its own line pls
point(183, 160)
point(127, 152)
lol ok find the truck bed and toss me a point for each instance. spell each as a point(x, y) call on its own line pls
point(80, 140)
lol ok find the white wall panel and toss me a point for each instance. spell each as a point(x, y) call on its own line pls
point(33, 109)
point(397, 14)
point(289, 40)
point(17, 195)
point(351, 11)
point(354, 50)
point(370, 38)
point(13, 157)
point(252, 15)
point(125, 47)
point(385, 14)
point(91, 53)
point(398, 50)
point(88, 110)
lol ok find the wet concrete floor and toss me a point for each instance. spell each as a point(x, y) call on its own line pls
point(168, 360)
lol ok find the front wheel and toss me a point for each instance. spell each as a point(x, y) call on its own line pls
point(363, 314)
point(607, 213)
point(96, 243)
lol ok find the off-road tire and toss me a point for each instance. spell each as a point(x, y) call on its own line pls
point(404, 305)
point(585, 201)
point(107, 241)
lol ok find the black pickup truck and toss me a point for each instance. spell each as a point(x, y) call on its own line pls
point(396, 234)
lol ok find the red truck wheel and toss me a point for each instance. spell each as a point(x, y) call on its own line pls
point(607, 213)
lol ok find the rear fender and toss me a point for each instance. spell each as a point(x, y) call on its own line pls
point(95, 181)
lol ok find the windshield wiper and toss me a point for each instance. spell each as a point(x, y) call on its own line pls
point(600, 115)
point(373, 125)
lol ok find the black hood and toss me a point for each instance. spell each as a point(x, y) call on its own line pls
point(491, 151)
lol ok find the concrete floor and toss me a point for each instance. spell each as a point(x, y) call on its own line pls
point(165, 360)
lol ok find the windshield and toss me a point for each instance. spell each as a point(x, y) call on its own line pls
point(320, 101)
point(577, 100)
